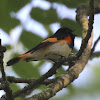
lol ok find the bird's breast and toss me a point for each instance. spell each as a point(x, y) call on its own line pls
point(60, 48)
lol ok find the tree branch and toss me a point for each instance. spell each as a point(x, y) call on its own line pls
point(39, 81)
point(86, 8)
point(91, 20)
point(4, 82)
point(94, 46)
point(2, 87)
point(36, 82)
point(12, 79)
point(95, 54)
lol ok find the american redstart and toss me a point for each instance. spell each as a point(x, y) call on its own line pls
point(51, 49)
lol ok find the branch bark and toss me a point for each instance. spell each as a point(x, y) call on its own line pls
point(95, 55)
point(94, 46)
point(12, 79)
point(4, 82)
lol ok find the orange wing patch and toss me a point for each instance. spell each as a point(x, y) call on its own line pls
point(50, 40)
point(68, 39)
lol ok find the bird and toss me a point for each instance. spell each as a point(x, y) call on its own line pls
point(50, 49)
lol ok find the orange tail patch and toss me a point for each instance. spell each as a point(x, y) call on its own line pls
point(22, 57)
point(17, 59)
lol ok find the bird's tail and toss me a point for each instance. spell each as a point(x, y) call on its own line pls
point(13, 61)
point(17, 59)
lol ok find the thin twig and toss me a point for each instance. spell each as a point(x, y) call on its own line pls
point(7, 89)
point(37, 81)
point(92, 50)
point(95, 54)
point(1, 63)
point(12, 79)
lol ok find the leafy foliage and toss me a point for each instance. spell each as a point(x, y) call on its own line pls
point(29, 39)
point(14, 88)
point(44, 16)
point(7, 10)
point(26, 70)
point(69, 3)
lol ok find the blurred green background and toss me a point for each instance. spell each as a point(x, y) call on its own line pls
point(25, 23)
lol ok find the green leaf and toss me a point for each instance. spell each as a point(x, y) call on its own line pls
point(41, 87)
point(8, 47)
point(95, 85)
point(6, 7)
point(15, 5)
point(55, 1)
point(74, 50)
point(44, 16)
point(29, 39)
point(26, 70)
point(72, 25)
point(69, 3)
point(47, 27)
point(6, 22)
point(74, 3)
point(59, 72)
point(14, 88)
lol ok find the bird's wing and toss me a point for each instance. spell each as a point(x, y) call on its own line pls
point(43, 44)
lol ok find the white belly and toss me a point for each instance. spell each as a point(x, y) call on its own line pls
point(54, 52)
point(60, 49)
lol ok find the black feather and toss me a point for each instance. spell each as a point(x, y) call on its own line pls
point(13, 61)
